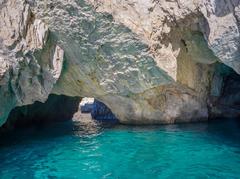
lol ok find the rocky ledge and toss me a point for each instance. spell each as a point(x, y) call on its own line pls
point(149, 61)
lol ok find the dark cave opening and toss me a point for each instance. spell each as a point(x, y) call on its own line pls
point(224, 100)
point(57, 108)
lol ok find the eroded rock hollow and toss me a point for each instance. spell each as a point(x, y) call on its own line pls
point(149, 61)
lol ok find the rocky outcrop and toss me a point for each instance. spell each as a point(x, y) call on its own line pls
point(149, 61)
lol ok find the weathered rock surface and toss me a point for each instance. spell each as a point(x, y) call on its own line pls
point(149, 61)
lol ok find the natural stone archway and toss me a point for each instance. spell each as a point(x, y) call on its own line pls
point(150, 62)
point(59, 108)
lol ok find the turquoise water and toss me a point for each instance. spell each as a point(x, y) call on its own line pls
point(69, 150)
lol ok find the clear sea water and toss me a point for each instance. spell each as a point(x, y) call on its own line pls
point(70, 150)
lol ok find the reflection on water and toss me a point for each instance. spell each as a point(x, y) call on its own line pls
point(80, 150)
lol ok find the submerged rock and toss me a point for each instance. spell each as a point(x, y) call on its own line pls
point(150, 62)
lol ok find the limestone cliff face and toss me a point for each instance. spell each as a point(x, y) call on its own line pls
point(150, 61)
